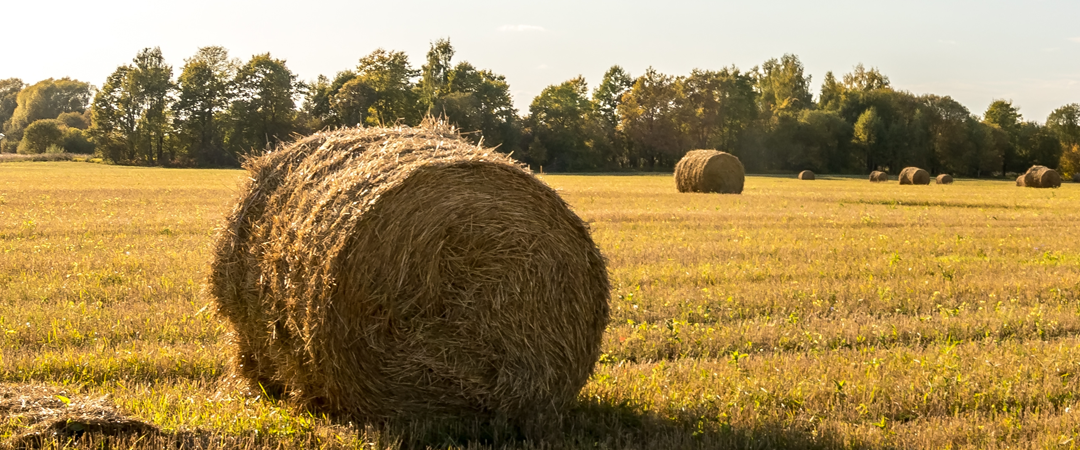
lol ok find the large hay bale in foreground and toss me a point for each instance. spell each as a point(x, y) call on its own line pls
point(709, 171)
point(914, 175)
point(878, 176)
point(944, 178)
point(391, 274)
point(1041, 177)
point(806, 175)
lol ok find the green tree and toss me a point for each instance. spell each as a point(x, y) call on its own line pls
point(203, 95)
point(783, 85)
point(40, 135)
point(831, 93)
point(948, 128)
point(868, 132)
point(719, 107)
point(319, 102)
point(352, 102)
point(476, 101)
point(388, 77)
point(1005, 116)
point(610, 143)
point(152, 80)
point(114, 117)
point(608, 95)
point(435, 73)
point(9, 92)
point(46, 99)
point(1038, 145)
point(263, 112)
point(561, 136)
point(129, 114)
point(75, 120)
point(865, 80)
point(990, 146)
point(75, 140)
point(822, 143)
point(480, 101)
point(649, 113)
point(1064, 122)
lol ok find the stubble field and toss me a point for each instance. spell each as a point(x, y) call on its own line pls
point(834, 313)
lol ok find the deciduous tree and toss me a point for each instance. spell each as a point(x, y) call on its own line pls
point(263, 110)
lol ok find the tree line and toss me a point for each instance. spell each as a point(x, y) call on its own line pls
point(219, 109)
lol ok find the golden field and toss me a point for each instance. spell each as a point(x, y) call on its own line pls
point(834, 313)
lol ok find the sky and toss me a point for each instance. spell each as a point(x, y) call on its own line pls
point(974, 51)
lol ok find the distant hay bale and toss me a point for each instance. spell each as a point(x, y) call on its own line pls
point(1041, 177)
point(878, 176)
point(944, 178)
point(709, 171)
point(914, 175)
point(806, 175)
point(401, 274)
point(1020, 181)
point(1076, 177)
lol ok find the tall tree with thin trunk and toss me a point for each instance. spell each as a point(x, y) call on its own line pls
point(203, 95)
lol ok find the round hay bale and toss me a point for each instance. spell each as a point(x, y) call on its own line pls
point(709, 171)
point(944, 178)
point(914, 175)
point(1029, 176)
point(1076, 177)
point(806, 175)
point(391, 274)
point(1020, 181)
point(878, 176)
point(1042, 177)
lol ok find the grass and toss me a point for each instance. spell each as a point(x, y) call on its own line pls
point(835, 313)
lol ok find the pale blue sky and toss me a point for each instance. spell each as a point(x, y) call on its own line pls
point(974, 51)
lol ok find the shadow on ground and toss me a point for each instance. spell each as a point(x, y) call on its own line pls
point(51, 419)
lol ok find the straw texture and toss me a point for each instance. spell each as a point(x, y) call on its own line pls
point(709, 171)
point(914, 175)
point(1041, 177)
point(402, 273)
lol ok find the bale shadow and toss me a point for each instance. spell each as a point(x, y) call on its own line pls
point(604, 424)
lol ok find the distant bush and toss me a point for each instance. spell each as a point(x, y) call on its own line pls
point(39, 135)
point(53, 136)
point(77, 141)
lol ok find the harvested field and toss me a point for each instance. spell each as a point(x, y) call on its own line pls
point(834, 314)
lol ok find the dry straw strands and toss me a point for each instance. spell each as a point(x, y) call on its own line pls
point(914, 175)
point(806, 175)
point(709, 171)
point(878, 176)
point(1040, 177)
point(944, 178)
point(400, 274)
